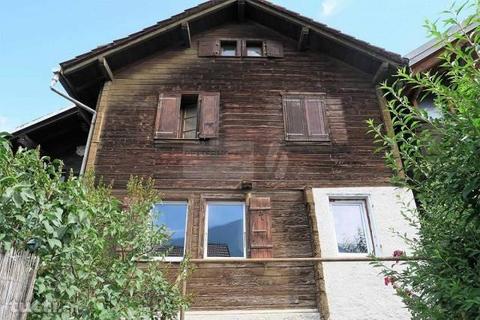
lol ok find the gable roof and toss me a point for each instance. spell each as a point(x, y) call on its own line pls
point(83, 75)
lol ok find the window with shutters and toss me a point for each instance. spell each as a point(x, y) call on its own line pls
point(305, 118)
point(187, 116)
point(172, 215)
point(225, 230)
point(240, 48)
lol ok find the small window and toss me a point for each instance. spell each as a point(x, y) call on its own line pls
point(189, 116)
point(428, 105)
point(225, 225)
point(352, 226)
point(228, 48)
point(173, 216)
point(254, 48)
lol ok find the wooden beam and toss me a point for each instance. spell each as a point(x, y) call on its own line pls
point(381, 73)
point(187, 41)
point(241, 10)
point(106, 71)
point(303, 39)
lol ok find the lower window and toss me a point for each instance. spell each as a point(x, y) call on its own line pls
point(352, 226)
point(172, 215)
point(225, 230)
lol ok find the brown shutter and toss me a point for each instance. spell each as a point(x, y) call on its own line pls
point(273, 49)
point(316, 119)
point(208, 48)
point(294, 117)
point(168, 116)
point(209, 114)
point(260, 218)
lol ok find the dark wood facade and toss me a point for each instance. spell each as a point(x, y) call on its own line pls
point(250, 146)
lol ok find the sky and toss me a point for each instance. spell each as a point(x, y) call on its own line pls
point(36, 35)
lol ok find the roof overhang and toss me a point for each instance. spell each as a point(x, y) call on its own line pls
point(83, 76)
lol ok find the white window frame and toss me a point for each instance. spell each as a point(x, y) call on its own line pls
point(373, 245)
point(167, 258)
point(205, 239)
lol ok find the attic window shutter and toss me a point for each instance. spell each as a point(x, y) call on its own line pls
point(294, 114)
point(273, 49)
point(208, 48)
point(209, 115)
point(260, 218)
point(168, 116)
point(316, 119)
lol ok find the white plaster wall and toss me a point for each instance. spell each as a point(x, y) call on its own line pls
point(291, 314)
point(355, 290)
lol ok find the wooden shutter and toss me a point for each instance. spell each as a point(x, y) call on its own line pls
point(316, 119)
point(260, 231)
point(167, 122)
point(273, 49)
point(209, 114)
point(294, 116)
point(208, 48)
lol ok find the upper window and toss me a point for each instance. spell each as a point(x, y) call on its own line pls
point(228, 48)
point(352, 226)
point(187, 116)
point(254, 48)
point(305, 118)
point(225, 230)
point(240, 48)
point(173, 216)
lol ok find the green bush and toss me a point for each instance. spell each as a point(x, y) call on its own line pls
point(441, 159)
point(88, 244)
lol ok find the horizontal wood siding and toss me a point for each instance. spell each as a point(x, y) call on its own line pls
point(251, 146)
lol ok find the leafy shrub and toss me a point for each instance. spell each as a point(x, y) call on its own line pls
point(88, 244)
point(441, 165)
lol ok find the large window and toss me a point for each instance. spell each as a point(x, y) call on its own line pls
point(352, 226)
point(225, 230)
point(172, 215)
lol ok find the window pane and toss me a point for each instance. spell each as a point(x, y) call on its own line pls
point(428, 105)
point(189, 107)
point(254, 49)
point(228, 49)
point(350, 225)
point(173, 216)
point(225, 230)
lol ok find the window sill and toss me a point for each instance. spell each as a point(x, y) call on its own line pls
point(308, 142)
point(179, 140)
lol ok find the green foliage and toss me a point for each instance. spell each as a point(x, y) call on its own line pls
point(88, 244)
point(441, 161)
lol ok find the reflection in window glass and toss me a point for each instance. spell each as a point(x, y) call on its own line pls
point(228, 48)
point(254, 49)
point(428, 105)
point(351, 226)
point(173, 215)
point(225, 229)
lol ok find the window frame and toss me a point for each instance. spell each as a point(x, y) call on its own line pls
point(245, 48)
point(373, 246)
point(205, 236)
point(170, 258)
point(238, 52)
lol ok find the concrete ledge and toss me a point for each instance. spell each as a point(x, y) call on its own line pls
point(287, 314)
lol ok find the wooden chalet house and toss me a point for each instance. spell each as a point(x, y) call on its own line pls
point(251, 119)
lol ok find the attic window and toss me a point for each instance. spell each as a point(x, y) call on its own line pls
point(254, 48)
point(188, 113)
point(228, 48)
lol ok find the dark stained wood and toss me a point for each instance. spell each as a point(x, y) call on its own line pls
point(209, 114)
point(107, 72)
point(251, 147)
point(187, 42)
point(241, 10)
point(260, 230)
point(168, 116)
point(303, 39)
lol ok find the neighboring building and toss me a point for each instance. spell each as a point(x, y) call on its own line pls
point(251, 119)
point(60, 135)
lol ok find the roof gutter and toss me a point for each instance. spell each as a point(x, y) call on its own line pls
point(55, 78)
